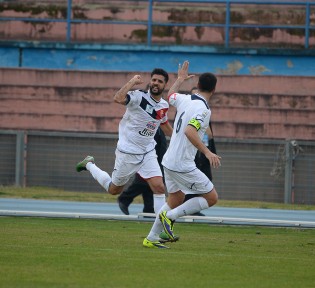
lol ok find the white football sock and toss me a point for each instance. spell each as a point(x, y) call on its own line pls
point(159, 201)
point(189, 207)
point(157, 226)
point(99, 175)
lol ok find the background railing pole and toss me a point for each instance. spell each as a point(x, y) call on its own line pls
point(69, 10)
point(288, 172)
point(19, 159)
point(149, 25)
point(227, 24)
point(307, 24)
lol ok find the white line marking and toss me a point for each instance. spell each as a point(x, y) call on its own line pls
point(140, 217)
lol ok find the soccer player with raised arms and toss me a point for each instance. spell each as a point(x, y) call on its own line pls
point(180, 171)
point(135, 153)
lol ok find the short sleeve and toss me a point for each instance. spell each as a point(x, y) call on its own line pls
point(175, 99)
point(133, 98)
point(200, 119)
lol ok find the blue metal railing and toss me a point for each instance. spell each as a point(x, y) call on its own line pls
point(307, 27)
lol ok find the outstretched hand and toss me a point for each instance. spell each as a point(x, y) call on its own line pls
point(183, 71)
point(182, 75)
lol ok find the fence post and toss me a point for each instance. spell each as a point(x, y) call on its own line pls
point(19, 160)
point(307, 24)
point(227, 23)
point(69, 10)
point(288, 172)
point(149, 23)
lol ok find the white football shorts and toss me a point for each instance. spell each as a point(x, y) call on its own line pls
point(126, 165)
point(193, 182)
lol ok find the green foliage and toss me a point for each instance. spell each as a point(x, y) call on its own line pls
point(38, 252)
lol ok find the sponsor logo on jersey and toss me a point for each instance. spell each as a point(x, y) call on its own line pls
point(149, 131)
point(146, 132)
point(151, 125)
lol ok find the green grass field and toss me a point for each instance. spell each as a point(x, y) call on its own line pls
point(38, 252)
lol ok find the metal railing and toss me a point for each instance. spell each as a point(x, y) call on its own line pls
point(256, 170)
point(150, 23)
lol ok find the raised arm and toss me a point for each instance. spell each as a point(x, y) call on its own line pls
point(121, 95)
point(182, 76)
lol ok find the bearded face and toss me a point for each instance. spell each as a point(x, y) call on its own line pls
point(157, 85)
point(155, 90)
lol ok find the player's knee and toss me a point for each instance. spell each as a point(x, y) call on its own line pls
point(114, 190)
point(214, 201)
point(158, 188)
point(212, 198)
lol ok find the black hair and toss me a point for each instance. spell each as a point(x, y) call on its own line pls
point(207, 82)
point(159, 71)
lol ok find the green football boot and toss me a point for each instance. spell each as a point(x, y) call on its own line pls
point(153, 244)
point(167, 225)
point(82, 165)
point(164, 238)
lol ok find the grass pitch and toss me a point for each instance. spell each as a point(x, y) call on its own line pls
point(39, 252)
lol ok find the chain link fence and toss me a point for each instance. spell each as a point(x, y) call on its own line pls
point(256, 170)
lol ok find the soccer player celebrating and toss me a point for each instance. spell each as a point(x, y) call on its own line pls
point(180, 171)
point(135, 153)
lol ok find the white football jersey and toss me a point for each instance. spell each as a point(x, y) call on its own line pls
point(181, 153)
point(140, 122)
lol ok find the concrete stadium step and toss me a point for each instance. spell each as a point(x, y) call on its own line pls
point(42, 107)
point(54, 122)
point(273, 107)
point(67, 108)
point(263, 130)
point(268, 100)
point(263, 115)
point(51, 93)
point(105, 94)
point(101, 124)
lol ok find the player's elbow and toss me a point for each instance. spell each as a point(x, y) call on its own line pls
point(119, 100)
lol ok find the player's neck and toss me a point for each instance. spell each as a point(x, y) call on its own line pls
point(157, 98)
point(206, 95)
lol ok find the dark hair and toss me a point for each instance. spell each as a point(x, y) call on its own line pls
point(159, 71)
point(207, 82)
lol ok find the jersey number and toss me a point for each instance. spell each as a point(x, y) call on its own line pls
point(179, 122)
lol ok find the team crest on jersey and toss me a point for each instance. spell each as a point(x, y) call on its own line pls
point(161, 113)
point(149, 130)
point(149, 109)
